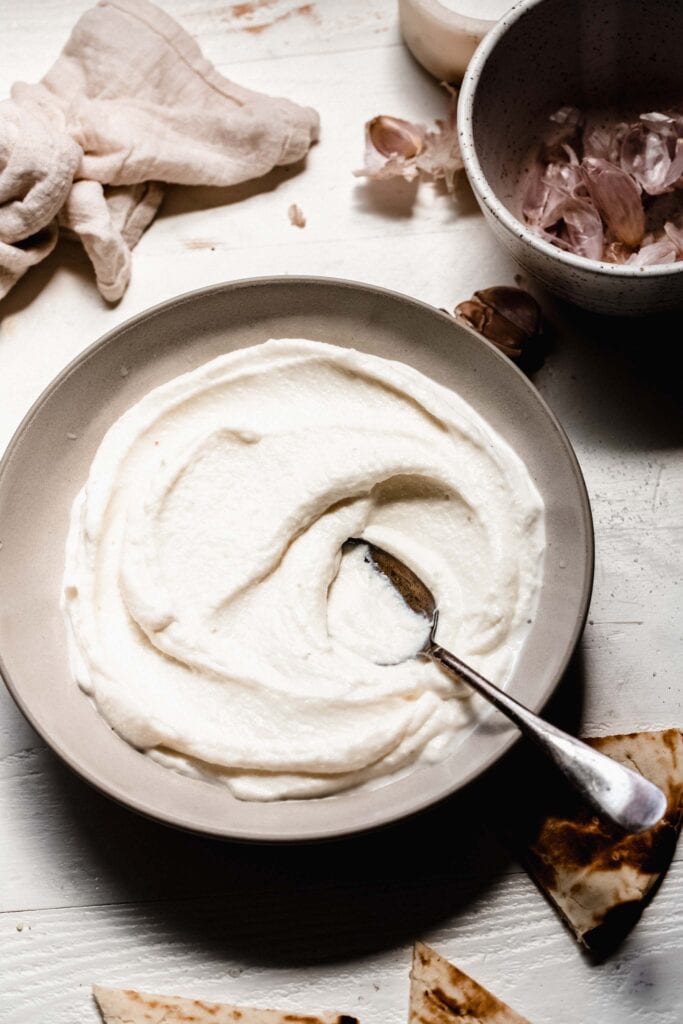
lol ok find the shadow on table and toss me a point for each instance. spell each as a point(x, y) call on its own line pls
point(305, 904)
point(614, 381)
point(180, 199)
point(395, 198)
point(67, 253)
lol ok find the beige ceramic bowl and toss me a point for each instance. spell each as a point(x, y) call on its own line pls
point(48, 462)
point(587, 53)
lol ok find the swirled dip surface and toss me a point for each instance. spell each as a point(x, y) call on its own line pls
point(212, 616)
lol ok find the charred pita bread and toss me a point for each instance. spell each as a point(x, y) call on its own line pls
point(441, 994)
point(597, 877)
point(127, 1006)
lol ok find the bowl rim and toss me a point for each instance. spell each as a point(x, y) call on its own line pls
point(111, 787)
point(486, 194)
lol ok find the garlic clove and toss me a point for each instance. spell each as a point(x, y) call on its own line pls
point(509, 318)
point(492, 325)
point(391, 146)
point(395, 147)
point(617, 198)
point(516, 305)
point(392, 136)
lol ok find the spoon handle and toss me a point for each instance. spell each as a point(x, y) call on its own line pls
point(625, 797)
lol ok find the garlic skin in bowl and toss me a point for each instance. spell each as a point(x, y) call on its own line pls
point(212, 617)
point(543, 55)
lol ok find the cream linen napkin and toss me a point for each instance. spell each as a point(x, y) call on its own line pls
point(131, 102)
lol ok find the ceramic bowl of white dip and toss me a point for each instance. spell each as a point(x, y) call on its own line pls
point(52, 454)
point(543, 55)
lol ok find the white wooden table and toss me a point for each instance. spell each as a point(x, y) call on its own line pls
point(88, 891)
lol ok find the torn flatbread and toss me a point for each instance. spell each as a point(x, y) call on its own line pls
point(127, 1006)
point(597, 877)
point(441, 994)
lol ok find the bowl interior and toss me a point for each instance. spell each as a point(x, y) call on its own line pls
point(618, 55)
point(48, 462)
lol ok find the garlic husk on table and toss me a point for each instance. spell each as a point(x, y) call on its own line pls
point(395, 148)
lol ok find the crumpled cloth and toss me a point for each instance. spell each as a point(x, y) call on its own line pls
point(131, 103)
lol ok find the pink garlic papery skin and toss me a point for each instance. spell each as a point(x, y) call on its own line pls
point(565, 128)
point(603, 140)
point(654, 253)
point(556, 197)
point(582, 227)
point(536, 193)
point(554, 240)
point(653, 156)
point(616, 252)
point(674, 233)
point(617, 198)
point(548, 187)
point(440, 157)
point(656, 122)
point(566, 177)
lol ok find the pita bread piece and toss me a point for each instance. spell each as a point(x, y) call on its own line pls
point(441, 994)
point(597, 877)
point(126, 1006)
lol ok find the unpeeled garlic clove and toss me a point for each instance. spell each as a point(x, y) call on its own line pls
point(396, 148)
point(491, 325)
point(392, 136)
point(617, 198)
point(508, 317)
point(516, 305)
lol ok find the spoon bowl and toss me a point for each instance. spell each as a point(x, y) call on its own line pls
point(621, 795)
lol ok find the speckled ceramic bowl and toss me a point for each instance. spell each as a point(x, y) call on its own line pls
point(587, 53)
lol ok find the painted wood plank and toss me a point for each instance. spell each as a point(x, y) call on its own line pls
point(343, 948)
point(60, 846)
point(229, 33)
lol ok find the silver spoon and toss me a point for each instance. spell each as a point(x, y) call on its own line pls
point(622, 795)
